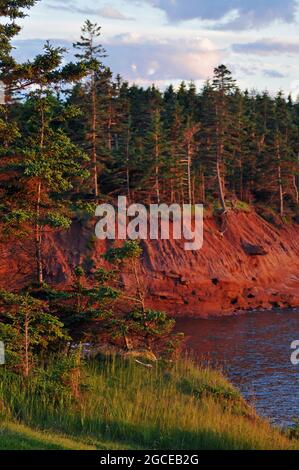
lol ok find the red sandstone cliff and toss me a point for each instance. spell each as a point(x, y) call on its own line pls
point(253, 265)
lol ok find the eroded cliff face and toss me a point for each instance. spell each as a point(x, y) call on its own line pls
point(253, 265)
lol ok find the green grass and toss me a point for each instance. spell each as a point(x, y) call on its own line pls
point(126, 406)
point(242, 206)
point(15, 436)
point(19, 437)
point(214, 208)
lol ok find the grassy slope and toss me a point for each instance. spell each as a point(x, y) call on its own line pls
point(14, 436)
point(20, 437)
point(125, 406)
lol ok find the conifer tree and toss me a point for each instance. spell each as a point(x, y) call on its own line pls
point(154, 139)
point(239, 146)
point(223, 85)
point(190, 132)
point(279, 154)
point(50, 161)
point(11, 10)
point(28, 329)
point(174, 126)
point(91, 54)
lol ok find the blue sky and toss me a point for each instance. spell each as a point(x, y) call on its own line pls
point(164, 41)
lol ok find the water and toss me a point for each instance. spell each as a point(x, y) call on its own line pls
point(254, 350)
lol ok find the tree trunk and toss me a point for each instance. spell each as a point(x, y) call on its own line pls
point(38, 238)
point(220, 185)
point(94, 137)
point(128, 164)
point(203, 186)
point(296, 189)
point(189, 163)
point(140, 295)
point(281, 199)
point(116, 142)
point(6, 110)
point(139, 290)
point(241, 180)
point(193, 190)
point(110, 127)
point(157, 169)
point(38, 228)
point(219, 161)
point(279, 174)
point(26, 365)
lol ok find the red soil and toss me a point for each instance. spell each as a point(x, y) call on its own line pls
point(253, 265)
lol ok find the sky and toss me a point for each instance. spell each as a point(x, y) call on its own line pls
point(167, 41)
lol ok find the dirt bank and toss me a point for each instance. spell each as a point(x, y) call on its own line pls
point(252, 265)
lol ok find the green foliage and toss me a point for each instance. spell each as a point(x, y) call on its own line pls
point(48, 163)
point(130, 250)
point(84, 210)
point(17, 216)
point(79, 272)
point(9, 131)
point(100, 311)
point(27, 328)
point(90, 50)
point(102, 275)
point(14, 8)
point(56, 220)
point(10, 10)
point(150, 329)
point(151, 323)
point(86, 301)
point(179, 146)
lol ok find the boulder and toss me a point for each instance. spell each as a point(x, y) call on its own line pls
point(254, 250)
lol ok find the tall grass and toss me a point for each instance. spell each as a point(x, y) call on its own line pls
point(166, 407)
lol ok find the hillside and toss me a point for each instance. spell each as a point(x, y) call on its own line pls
point(125, 406)
point(251, 264)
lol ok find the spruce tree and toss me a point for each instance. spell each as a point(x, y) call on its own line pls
point(223, 86)
point(28, 329)
point(91, 54)
point(11, 11)
point(46, 161)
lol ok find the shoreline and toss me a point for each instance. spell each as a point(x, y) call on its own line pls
point(236, 314)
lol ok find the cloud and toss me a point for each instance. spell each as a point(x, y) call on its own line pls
point(106, 11)
point(266, 47)
point(138, 58)
point(142, 59)
point(237, 14)
point(273, 74)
